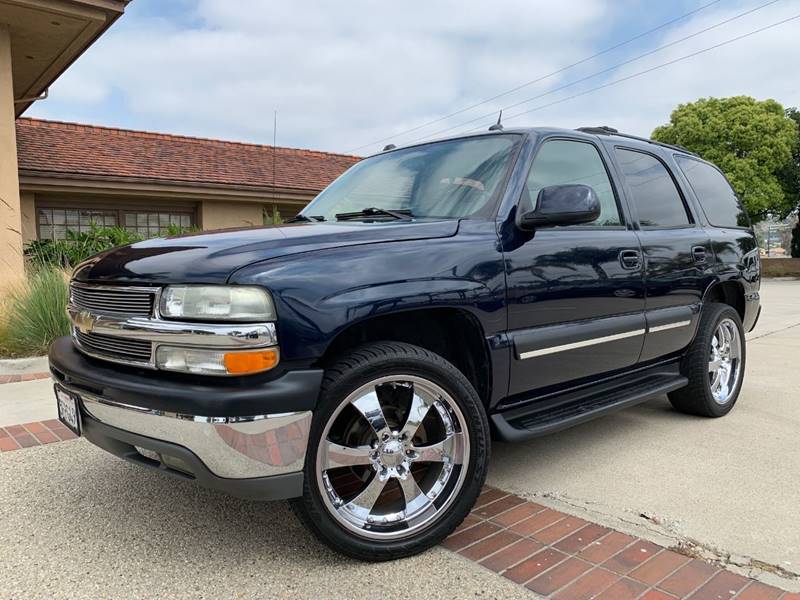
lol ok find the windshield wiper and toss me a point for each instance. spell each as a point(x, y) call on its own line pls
point(307, 219)
point(403, 214)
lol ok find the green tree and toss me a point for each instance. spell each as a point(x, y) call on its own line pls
point(789, 177)
point(750, 140)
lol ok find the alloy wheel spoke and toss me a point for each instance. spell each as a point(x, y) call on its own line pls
point(715, 383)
point(448, 448)
point(413, 495)
point(714, 365)
point(736, 347)
point(370, 408)
point(723, 387)
point(336, 455)
point(369, 495)
point(420, 406)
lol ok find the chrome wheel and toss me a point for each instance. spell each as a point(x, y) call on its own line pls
point(724, 362)
point(392, 457)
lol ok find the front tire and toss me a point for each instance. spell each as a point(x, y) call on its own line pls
point(398, 453)
point(714, 364)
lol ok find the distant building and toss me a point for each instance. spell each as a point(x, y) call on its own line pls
point(72, 175)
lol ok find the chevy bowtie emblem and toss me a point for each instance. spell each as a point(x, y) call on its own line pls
point(84, 322)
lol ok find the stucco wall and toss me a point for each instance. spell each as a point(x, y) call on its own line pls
point(28, 216)
point(224, 215)
point(11, 264)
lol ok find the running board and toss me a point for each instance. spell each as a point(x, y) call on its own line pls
point(540, 418)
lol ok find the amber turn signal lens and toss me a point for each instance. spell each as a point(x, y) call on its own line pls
point(242, 363)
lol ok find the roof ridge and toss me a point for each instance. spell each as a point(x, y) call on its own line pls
point(68, 125)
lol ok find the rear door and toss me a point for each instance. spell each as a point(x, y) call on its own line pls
point(575, 294)
point(676, 248)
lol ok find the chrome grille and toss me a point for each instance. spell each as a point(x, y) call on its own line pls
point(114, 348)
point(129, 301)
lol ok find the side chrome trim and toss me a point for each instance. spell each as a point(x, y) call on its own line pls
point(667, 326)
point(581, 344)
point(231, 447)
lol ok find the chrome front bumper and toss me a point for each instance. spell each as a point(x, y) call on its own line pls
point(229, 447)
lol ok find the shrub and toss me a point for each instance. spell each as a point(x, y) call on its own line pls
point(34, 314)
point(81, 245)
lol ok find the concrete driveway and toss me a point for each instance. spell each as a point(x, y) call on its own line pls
point(730, 486)
point(75, 522)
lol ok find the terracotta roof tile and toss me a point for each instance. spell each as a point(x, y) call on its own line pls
point(75, 149)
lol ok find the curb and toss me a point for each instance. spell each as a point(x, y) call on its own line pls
point(24, 366)
point(25, 377)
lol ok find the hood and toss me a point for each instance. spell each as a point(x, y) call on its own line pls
point(213, 256)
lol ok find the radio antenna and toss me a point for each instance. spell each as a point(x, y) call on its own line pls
point(497, 126)
point(274, 159)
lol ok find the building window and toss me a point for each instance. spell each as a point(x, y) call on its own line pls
point(152, 224)
point(54, 222)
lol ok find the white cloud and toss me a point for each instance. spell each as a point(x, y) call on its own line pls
point(760, 65)
point(346, 73)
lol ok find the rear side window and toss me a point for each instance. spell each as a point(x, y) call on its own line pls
point(657, 199)
point(716, 196)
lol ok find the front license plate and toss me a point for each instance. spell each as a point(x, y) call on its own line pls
point(68, 409)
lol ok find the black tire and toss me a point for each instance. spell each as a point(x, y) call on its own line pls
point(697, 398)
point(360, 367)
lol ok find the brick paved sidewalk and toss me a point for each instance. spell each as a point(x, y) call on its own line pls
point(567, 558)
point(15, 437)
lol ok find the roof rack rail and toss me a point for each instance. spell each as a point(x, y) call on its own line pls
point(606, 130)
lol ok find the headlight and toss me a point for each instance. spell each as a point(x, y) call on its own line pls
point(215, 362)
point(217, 303)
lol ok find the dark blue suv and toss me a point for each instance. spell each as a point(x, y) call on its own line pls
point(360, 359)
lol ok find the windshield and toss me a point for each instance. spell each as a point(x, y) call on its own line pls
point(450, 179)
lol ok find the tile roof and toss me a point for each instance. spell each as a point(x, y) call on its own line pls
point(73, 149)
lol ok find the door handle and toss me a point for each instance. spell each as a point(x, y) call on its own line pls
point(699, 254)
point(630, 259)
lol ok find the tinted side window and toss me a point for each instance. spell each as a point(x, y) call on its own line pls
point(719, 202)
point(658, 202)
point(561, 162)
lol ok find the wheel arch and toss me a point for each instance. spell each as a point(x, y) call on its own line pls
point(730, 292)
point(454, 334)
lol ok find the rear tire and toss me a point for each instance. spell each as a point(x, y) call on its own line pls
point(714, 364)
point(398, 453)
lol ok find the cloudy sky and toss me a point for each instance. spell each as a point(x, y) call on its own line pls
point(345, 75)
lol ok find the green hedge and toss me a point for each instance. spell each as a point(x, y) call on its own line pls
point(81, 245)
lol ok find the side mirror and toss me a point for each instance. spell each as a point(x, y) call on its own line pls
point(572, 204)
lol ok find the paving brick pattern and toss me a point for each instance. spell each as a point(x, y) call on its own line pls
point(24, 377)
point(564, 557)
point(15, 437)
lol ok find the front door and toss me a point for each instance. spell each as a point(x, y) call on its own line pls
point(575, 294)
